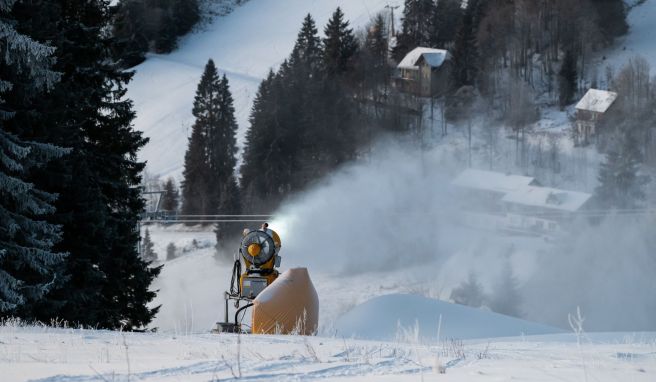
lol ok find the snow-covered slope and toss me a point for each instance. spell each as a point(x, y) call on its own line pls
point(638, 42)
point(65, 355)
point(245, 44)
point(388, 317)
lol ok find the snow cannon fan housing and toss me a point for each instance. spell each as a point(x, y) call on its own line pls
point(259, 249)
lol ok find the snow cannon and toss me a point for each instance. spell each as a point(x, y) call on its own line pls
point(288, 304)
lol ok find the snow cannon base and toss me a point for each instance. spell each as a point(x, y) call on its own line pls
point(289, 305)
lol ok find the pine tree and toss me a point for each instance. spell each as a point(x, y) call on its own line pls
point(506, 298)
point(171, 252)
point(339, 45)
point(469, 293)
point(27, 258)
point(198, 195)
point(104, 282)
point(444, 22)
point(567, 78)
point(464, 64)
point(620, 182)
point(416, 26)
point(263, 157)
point(128, 29)
point(210, 159)
point(148, 249)
point(170, 199)
point(611, 18)
point(223, 162)
point(187, 14)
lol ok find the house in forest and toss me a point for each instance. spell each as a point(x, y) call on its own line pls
point(515, 203)
point(483, 190)
point(590, 111)
point(423, 72)
point(543, 209)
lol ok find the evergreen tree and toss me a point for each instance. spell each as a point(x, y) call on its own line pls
point(469, 292)
point(416, 26)
point(170, 199)
point(506, 298)
point(339, 45)
point(128, 29)
point(464, 64)
point(27, 258)
point(567, 78)
point(148, 249)
point(620, 182)
point(210, 159)
point(198, 196)
point(444, 22)
point(171, 252)
point(187, 14)
point(263, 158)
point(611, 18)
point(223, 162)
point(104, 282)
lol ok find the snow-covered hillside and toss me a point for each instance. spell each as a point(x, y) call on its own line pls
point(245, 45)
point(66, 355)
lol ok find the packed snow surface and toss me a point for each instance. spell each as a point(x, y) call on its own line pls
point(256, 37)
point(72, 355)
point(390, 316)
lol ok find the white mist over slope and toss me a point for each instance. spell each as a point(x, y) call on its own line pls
point(397, 213)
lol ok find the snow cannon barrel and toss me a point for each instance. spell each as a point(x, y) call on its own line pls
point(290, 305)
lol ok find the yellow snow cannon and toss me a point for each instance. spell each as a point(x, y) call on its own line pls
point(292, 308)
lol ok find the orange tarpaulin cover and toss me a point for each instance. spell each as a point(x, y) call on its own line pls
point(289, 305)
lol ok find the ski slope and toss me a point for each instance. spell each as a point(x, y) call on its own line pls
point(256, 37)
point(70, 355)
point(638, 42)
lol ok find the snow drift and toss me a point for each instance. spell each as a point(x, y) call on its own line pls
point(397, 316)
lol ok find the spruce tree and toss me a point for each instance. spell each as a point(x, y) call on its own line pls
point(27, 259)
point(171, 252)
point(621, 185)
point(464, 64)
point(170, 199)
point(223, 162)
point(444, 22)
point(469, 292)
point(199, 197)
point(416, 26)
point(506, 298)
point(339, 45)
point(611, 18)
point(209, 182)
point(105, 283)
point(148, 249)
point(567, 79)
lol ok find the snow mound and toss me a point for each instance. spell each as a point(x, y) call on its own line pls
point(388, 317)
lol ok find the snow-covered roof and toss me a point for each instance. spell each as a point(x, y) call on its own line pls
point(597, 100)
point(434, 58)
point(491, 181)
point(546, 197)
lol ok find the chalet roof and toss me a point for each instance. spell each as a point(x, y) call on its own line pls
point(491, 181)
point(546, 197)
point(597, 100)
point(433, 57)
